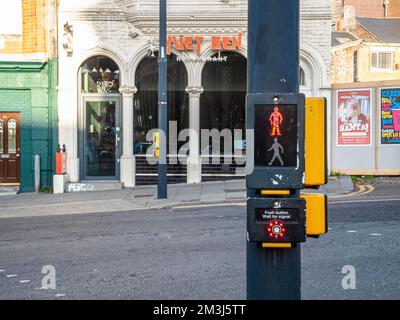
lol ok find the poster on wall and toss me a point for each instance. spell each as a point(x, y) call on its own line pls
point(390, 116)
point(354, 117)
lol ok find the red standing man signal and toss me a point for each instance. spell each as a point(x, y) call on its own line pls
point(276, 120)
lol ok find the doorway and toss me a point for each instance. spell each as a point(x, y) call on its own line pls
point(10, 148)
point(101, 139)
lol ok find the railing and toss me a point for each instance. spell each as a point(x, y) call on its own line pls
point(146, 173)
point(226, 168)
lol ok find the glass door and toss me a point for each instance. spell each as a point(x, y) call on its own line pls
point(101, 135)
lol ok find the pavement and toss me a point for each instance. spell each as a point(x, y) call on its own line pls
point(338, 185)
point(139, 198)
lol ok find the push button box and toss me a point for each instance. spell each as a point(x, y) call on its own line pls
point(276, 220)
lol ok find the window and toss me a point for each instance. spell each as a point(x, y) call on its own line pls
point(382, 60)
point(12, 136)
point(99, 75)
point(1, 136)
point(11, 17)
point(223, 103)
point(302, 77)
point(355, 66)
point(146, 99)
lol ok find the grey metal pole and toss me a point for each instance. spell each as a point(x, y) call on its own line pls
point(162, 103)
point(37, 173)
point(273, 67)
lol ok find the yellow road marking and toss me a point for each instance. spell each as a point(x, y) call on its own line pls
point(362, 190)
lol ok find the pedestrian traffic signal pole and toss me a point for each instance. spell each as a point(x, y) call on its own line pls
point(162, 104)
point(275, 119)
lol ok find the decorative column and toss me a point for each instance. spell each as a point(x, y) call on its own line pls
point(128, 165)
point(194, 159)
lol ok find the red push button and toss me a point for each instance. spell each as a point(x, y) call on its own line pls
point(276, 229)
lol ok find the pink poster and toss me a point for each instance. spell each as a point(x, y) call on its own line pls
point(390, 116)
point(354, 117)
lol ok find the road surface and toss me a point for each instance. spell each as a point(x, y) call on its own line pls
point(194, 253)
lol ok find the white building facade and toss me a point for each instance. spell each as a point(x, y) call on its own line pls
point(107, 95)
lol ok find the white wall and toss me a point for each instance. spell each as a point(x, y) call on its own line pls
point(103, 27)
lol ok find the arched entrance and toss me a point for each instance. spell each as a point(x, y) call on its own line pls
point(223, 106)
point(99, 119)
point(224, 99)
point(146, 115)
point(146, 98)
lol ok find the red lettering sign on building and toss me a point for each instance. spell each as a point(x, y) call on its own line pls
point(190, 43)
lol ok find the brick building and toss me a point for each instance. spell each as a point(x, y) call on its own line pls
point(28, 80)
point(370, 51)
point(108, 94)
point(343, 11)
point(374, 8)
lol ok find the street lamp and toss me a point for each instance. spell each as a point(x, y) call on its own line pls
point(162, 103)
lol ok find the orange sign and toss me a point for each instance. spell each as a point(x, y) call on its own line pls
point(190, 43)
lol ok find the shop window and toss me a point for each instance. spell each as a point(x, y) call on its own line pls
point(146, 99)
point(223, 102)
point(99, 74)
point(382, 61)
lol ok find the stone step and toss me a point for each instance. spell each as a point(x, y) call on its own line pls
point(8, 190)
point(90, 186)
